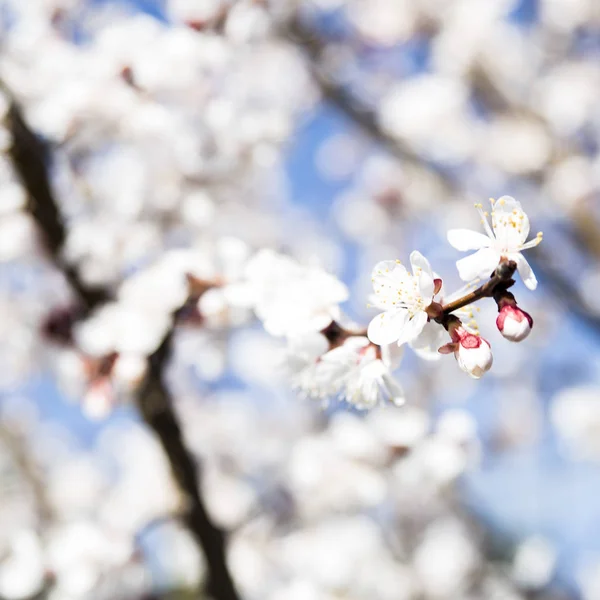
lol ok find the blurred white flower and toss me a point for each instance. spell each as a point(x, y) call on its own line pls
point(22, 568)
point(356, 371)
point(289, 298)
point(534, 562)
point(575, 414)
point(362, 372)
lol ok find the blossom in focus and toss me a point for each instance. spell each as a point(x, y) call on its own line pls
point(434, 334)
point(403, 297)
point(473, 354)
point(513, 323)
point(357, 371)
point(289, 298)
point(505, 238)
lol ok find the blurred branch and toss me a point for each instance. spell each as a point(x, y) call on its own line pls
point(30, 157)
point(361, 115)
point(314, 47)
point(156, 407)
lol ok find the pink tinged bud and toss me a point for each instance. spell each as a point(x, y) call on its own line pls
point(474, 355)
point(513, 323)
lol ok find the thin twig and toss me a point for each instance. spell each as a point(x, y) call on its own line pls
point(502, 276)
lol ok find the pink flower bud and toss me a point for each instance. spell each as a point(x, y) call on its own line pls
point(472, 352)
point(513, 323)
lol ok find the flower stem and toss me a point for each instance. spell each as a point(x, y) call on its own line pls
point(502, 277)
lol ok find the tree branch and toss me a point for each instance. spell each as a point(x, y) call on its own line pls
point(31, 157)
point(501, 277)
point(156, 406)
point(359, 114)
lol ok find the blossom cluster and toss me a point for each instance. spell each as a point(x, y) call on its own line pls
point(328, 357)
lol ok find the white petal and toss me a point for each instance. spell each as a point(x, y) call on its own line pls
point(506, 204)
point(525, 271)
point(426, 286)
point(355, 343)
point(387, 266)
point(432, 337)
point(480, 264)
point(418, 261)
point(387, 327)
point(241, 294)
point(310, 346)
point(511, 224)
point(391, 356)
point(466, 239)
point(393, 389)
point(388, 278)
point(413, 328)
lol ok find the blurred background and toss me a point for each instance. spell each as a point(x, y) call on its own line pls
point(149, 457)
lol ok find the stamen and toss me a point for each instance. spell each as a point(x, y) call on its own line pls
point(534, 242)
point(484, 221)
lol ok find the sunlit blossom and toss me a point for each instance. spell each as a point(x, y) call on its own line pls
point(506, 238)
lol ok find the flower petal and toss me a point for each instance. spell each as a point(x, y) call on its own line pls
point(388, 277)
point(426, 344)
point(525, 271)
point(426, 287)
point(510, 223)
point(419, 262)
point(480, 264)
point(466, 239)
point(413, 328)
point(391, 356)
point(387, 327)
point(393, 389)
point(386, 268)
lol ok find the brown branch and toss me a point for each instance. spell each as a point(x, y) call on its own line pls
point(156, 406)
point(30, 157)
point(502, 277)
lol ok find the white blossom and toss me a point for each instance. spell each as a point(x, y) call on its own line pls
point(403, 297)
point(290, 298)
point(506, 238)
point(434, 335)
point(356, 371)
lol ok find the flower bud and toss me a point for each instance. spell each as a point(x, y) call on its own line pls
point(473, 354)
point(513, 323)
